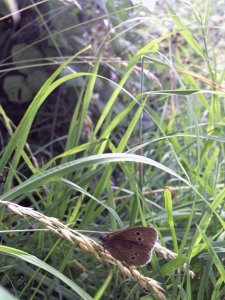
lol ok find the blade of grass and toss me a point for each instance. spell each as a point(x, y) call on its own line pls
point(152, 46)
point(169, 209)
point(78, 188)
point(107, 173)
point(173, 265)
point(59, 171)
point(213, 254)
point(19, 138)
point(205, 221)
point(39, 263)
point(185, 32)
point(216, 289)
point(101, 291)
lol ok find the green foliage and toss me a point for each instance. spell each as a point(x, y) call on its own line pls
point(98, 138)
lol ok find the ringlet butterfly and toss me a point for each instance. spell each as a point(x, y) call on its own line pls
point(132, 245)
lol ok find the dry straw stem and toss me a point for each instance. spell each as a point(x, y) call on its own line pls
point(89, 245)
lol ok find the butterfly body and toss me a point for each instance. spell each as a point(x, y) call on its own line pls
point(132, 245)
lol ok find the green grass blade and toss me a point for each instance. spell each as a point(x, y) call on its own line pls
point(185, 32)
point(219, 265)
point(169, 209)
point(40, 264)
point(152, 46)
point(101, 291)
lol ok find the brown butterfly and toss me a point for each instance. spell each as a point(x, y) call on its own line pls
point(132, 245)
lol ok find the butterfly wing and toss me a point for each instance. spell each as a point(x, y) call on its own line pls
point(129, 252)
point(132, 245)
point(143, 236)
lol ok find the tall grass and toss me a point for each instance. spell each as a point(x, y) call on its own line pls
point(117, 178)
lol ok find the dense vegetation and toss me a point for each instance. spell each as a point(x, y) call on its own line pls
point(103, 105)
